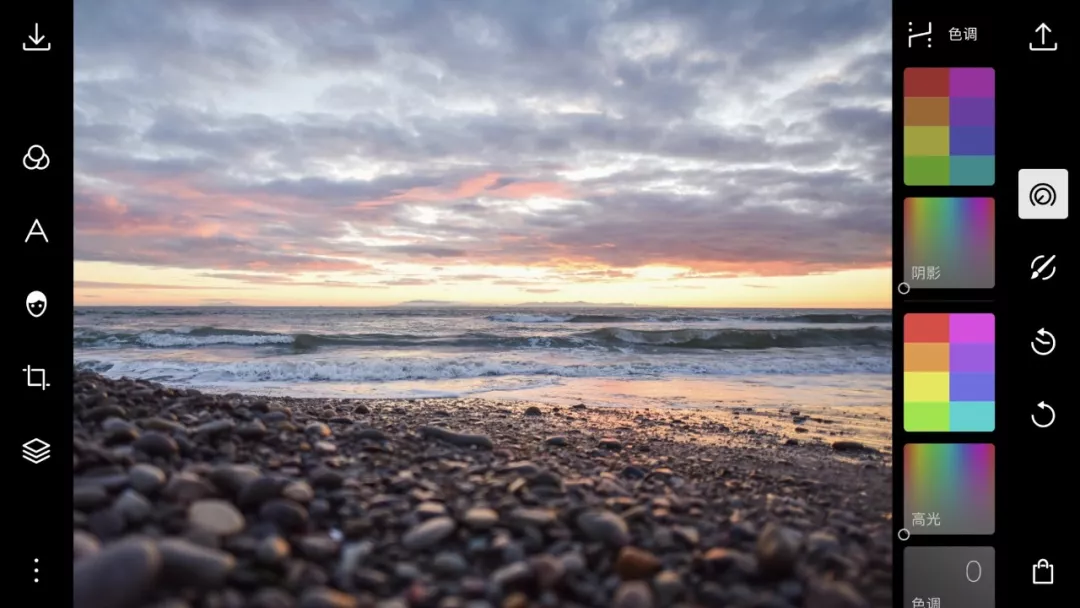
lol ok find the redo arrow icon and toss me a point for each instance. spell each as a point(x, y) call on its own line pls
point(1050, 416)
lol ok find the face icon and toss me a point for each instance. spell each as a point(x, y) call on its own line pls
point(35, 304)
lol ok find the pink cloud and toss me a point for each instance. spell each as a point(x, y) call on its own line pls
point(229, 241)
point(183, 220)
point(480, 185)
point(106, 215)
point(524, 190)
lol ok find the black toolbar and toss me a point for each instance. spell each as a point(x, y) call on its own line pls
point(980, 233)
point(37, 429)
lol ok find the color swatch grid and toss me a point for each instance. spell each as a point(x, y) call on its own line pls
point(949, 372)
point(949, 126)
point(949, 488)
point(949, 243)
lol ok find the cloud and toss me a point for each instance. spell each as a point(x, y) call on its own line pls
point(135, 286)
point(282, 280)
point(581, 139)
point(408, 282)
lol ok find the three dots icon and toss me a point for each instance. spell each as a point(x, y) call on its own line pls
point(37, 570)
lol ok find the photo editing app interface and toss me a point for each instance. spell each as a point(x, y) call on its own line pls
point(541, 303)
point(979, 305)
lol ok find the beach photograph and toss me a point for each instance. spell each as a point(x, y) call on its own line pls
point(478, 304)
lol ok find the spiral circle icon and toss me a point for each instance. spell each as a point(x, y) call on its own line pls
point(1042, 195)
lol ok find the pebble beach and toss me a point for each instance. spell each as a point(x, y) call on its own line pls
point(185, 499)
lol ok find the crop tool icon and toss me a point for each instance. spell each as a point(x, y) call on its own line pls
point(36, 451)
point(35, 377)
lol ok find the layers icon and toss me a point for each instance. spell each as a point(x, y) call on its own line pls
point(36, 451)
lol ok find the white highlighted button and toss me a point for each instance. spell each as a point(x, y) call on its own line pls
point(1043, 194)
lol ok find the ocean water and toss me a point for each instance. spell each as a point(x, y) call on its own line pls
point(607, 356)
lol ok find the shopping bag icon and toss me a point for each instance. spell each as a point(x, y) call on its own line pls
point(1042, 573)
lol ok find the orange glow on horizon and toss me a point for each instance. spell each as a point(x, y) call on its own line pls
point(101, 283)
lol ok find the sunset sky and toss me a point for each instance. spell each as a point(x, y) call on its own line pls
point(368, 152)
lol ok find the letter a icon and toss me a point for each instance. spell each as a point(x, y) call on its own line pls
point(36, 230)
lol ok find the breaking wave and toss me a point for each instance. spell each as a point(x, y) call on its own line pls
point(604, 337)
point(374, 369)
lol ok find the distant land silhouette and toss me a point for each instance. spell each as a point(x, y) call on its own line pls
point(580, 304)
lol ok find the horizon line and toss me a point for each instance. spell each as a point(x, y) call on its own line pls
point(467, 305)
